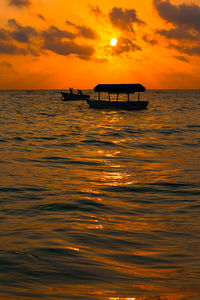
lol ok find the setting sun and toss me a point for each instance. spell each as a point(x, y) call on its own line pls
point(39, 38)
point(113, 42)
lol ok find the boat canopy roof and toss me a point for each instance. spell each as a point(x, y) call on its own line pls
point(120, 88)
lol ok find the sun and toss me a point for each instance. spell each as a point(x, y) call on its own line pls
point(113, 42)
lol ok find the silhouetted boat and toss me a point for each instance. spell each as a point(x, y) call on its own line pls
point(71, 96)
point(118, 103)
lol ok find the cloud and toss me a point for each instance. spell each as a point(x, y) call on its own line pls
point(181, 58)
point(8, 48)
point(4, 34)
point(149, 40)
point(20, 33)
point(185, 19)
point(52, 39)
point(124, 18)
point(178, 34)
point(83, 31)
point(192, 50)
point(69, 47)
point(86, 32)
point(125, 45)
point(95, 10)
point(20, 3)
point(187, 15)
point(61, 42)
point(11, 49)
point(53, 33)
point(6, 68)
point(6, 64)
point(41, 17)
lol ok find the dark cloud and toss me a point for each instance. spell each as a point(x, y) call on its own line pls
point(83, 31)
point(11, 49)
point(86, 32)
point(53, 39)
point(53, 33)
point(20, 33)
point(185, 19)
point(20, 3)
point(124, 18)
point(69, 47)
point(4, 35)
point(192, 50)
point(178, 34)
point(187, 15)
point(125, 45)
point(7, 48)
point(61, 42)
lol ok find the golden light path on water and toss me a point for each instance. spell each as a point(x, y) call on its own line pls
point(99, 205)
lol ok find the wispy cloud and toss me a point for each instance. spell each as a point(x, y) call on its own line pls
point(125, 46)
point(41, 17)
point(149, 40)
point(178, 34)
point(181, 58)
point(83, 31)
point(6, 64)
point(189, 50)
point(95, 10)
point(19, 3)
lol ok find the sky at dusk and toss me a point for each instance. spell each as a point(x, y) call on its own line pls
point(54, 44)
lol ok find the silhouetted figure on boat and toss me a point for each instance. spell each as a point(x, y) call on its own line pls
point(71, 91)
point(80, 92)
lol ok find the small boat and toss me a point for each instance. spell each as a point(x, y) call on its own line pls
point(117, 102)
point(67, 96)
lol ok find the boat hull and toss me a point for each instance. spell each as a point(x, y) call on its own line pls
point(69, 97)
point(128, 105)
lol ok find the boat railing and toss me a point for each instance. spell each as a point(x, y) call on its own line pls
point(120, 97)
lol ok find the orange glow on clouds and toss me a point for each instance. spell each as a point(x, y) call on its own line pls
point(43, 44)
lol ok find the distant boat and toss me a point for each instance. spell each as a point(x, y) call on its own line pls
point(67, 96)
point(117, 102)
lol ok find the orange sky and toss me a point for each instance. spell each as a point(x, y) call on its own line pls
point(54, 44)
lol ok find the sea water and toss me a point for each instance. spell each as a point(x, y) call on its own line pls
point(99, 204)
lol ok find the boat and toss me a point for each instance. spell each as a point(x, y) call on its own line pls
point(116, 102)
point(67, 96)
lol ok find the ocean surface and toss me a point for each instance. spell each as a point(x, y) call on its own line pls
point(99, 204)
